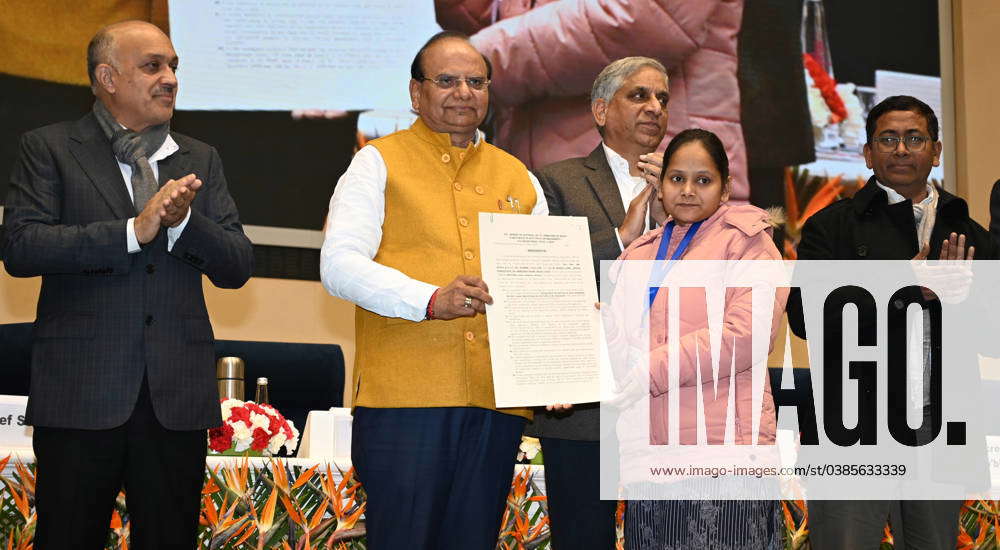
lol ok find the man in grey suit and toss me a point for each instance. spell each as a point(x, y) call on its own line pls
point(121, 218)
point(614, 187)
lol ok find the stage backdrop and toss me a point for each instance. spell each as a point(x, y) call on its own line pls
point(246, 64)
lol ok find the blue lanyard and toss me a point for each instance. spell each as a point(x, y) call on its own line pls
point(658, 275)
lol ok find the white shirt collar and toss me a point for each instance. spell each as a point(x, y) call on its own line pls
point(620, 169)
point(616, 161)
point(629, 186)
point(168, 148)
point(895, 198)
point(477, 137)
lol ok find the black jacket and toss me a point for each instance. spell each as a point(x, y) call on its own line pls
point(867, 227)
point(995, 212)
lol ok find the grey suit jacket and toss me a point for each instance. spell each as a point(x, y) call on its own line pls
point(583, 186)
point(106, 317)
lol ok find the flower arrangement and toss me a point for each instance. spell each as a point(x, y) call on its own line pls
point(806, 194)
point(836, 109)
point(525, 521)
point(252, 428)
point(827, 87)
point(283, 506)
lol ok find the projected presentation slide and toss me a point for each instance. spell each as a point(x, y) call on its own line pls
point(298, 54)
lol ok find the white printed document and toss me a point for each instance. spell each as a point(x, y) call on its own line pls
point(544, 329)
point(297, 54)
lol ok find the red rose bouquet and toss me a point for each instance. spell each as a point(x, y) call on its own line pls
point(252, 428)
point(827, 86)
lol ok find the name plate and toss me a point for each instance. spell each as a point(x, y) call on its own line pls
point(13, 431)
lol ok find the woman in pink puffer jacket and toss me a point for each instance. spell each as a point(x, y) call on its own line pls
point(546, 53)
point(694, 191)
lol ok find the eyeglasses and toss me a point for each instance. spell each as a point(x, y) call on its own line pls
point(447, 81)
point(888, 144)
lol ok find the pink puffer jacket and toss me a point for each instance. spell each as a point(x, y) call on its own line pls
point(546, 54)
point(731, 233)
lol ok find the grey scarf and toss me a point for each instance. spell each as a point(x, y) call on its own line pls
point(134, 149)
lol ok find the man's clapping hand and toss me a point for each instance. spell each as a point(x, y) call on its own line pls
point(952, 248)
point(177, 202)
point(635, 217)
point(168, 207)
point(651, 165)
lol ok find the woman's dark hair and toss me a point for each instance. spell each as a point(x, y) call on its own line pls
point(709, 141)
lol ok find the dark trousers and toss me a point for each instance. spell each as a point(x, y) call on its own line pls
point(436, 478)
point(80, 473)
point(858, 524)
point(578, 518)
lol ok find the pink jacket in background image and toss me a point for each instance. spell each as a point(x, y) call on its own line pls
point(546, 54)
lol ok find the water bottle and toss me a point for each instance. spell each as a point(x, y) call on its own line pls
point(261, 397)
point(229, 372)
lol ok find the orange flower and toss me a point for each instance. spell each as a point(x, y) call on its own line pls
point(790, 252)
point(964, 540)
point(236, 476)
point(791, 197)
point(266, 519)
point(824, 197)
point(305, 477)
point(26, 477)
point(280, 476)
point(887, 534)
point(211, 486)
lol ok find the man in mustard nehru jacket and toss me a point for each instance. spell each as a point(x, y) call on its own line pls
point(434, 454)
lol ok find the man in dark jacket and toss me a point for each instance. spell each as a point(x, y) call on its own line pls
point(122, 218)
point(613, 188)
point(897, 215)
